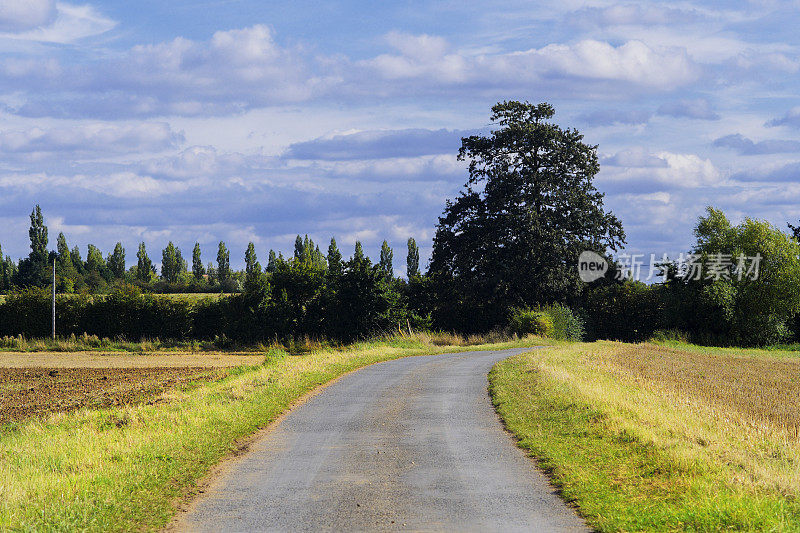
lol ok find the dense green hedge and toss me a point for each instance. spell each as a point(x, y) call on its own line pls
point(295, 301)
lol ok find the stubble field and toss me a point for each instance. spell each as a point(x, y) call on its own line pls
point(655, 437)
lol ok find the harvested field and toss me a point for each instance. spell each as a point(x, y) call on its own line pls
point(29, 392)
point(126, 360)
point(648, 437)
point(759, 390)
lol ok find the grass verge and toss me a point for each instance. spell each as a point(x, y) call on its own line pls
point(127, 468)
point(637, 445)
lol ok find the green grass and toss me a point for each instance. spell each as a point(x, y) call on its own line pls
point(633, 456)
point(127, 468)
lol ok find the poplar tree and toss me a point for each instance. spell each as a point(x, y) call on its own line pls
point(358, 257)
point(386, 261)
point(197, 263)
point(116, 261)
point(38, 236)
point(272, 263)
point(180, 262)
point(412, 260)
point(33, 270)
point(299, 248)
point(94, 259)
point(144, 265)
point(251, 266)
point(223, 263)
point(169, 264)
point(212, 273)
point(64, 255)
point(334, 259)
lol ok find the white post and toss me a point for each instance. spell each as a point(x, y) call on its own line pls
point(54, 298)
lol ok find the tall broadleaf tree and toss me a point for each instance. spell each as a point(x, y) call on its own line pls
point(198, 271)
point(77, 260)
point(334, 259)
point(387, 256)
point(529, 208)
point(252, 267)
point(144, 265)
point(300, 248)
point(38, 236)
point(33, 270)
point(64, 255)
point(94, 259)
point(223, 263)
point(272, 262)
point(412, 259)
point(180, 262)
point(116, 261)
point(169, 264)
point(358, 255)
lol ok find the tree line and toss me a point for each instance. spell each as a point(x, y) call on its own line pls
point(98, 274)
point(506, 246)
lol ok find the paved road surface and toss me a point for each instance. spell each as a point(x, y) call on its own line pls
point(410, 444)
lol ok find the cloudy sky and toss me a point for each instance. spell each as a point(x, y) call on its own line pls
point(252, 120)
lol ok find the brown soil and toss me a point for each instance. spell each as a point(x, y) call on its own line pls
point(29, 392)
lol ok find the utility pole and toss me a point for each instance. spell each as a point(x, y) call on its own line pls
point(54, 298)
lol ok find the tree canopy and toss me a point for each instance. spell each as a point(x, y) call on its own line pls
point(529, 208)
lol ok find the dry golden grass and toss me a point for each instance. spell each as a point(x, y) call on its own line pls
point(648, 437)
point(761, 391)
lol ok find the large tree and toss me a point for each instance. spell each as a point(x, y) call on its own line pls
point(386, 261)
point(144, 265)
point(198, 271)
point(223, 263)
point(33, 270)
point(513, 236)
point(116, 261)
point(252, 267)
point(169, 264)
point(335, 266)
point(742, 286)
point(412, 259)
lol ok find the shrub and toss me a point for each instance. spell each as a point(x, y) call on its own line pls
point(530, 322)
point(567, 325)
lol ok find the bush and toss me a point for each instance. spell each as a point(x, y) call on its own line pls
point(530, 322)
point(566, 325)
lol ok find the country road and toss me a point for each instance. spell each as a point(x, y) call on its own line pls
point(409, 444)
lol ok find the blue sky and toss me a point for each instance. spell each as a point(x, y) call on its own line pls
point(255, 121)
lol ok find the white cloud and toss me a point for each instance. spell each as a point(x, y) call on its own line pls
point(197, 161)
point(19, 15)
point(635, 158)
point(59, 23)
point(642, 174)
point(429, 58)
point(90, 138)
point(633, 14)
point(423, 168)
